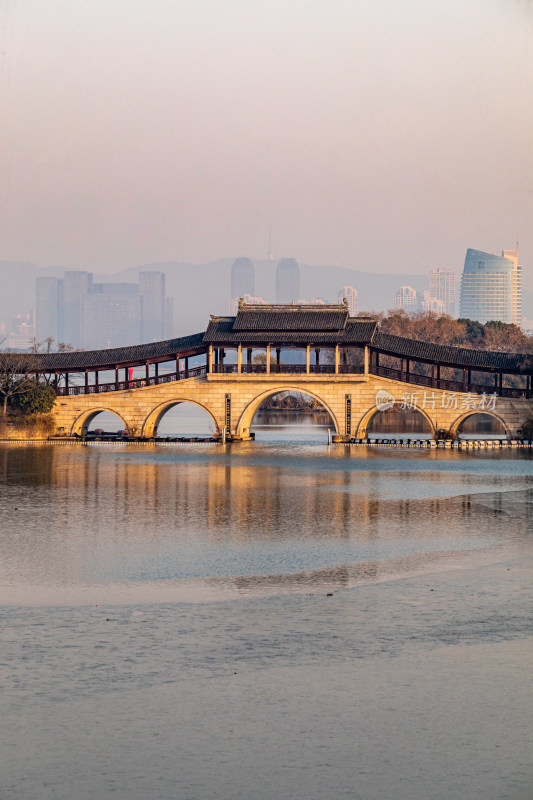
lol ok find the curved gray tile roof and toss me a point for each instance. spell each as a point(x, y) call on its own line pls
point(85, 359)
point(287, 326)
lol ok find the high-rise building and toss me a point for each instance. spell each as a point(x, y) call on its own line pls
point(98, 315)
point(427, 302)
point(153, 307)
point(490, 288)
point(406, 298)
point(110, 315)
point(76, 284)
point(49, 309)
point(287, 281)
point(513, 256)
point(350, 293)
point(242, 277)
point(442, 286)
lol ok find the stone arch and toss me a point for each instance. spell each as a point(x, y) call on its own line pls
point(247, 415)
point(360, 433)
point(153, 419)
point(454, 427)
point(81, 424)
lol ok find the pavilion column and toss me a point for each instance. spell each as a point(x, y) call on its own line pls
point(66, 381)
point(86, 381)
point(116, 378)
point(177, 366)
point(268, 359)
point(337, 355)
point(56, 381)
point(96, 383)
point(147, 370)
point(469, 378)
point(433, 376)
point(438, 375)
point(186, 366)
point(210, 357)
point(367, 358)
point(464, 380)
point(239, 359)
point(156, 365)
point(308, 359)
point(278, 358)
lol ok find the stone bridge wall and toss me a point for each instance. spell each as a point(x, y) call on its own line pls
point(141, 409)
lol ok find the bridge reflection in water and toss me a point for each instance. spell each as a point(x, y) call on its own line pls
point(197, 512)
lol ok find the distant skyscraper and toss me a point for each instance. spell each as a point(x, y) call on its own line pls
point(513, 256)
point(49, 309)
point(490, 288)
point(406, 298)
point(153, 310)
point(76, 284)
point(99, 315)
point(287, 281)
point(110, 316)
point(426, 302)
point(442, 286)
point(350, 293)
point(242, 277)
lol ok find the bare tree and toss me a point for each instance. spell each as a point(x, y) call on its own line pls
point(16, 375)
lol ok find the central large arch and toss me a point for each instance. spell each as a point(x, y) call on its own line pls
point(246, 418)
point(153, 419)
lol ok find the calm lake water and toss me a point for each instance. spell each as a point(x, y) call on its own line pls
point(272, 619)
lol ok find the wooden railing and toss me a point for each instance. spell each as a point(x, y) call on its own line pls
point(134, 383)
point(448, 385)
point(294, 369)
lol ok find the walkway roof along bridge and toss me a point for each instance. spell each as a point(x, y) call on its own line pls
point(278, 327)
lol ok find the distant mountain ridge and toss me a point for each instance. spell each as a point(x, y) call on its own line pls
point(202, 289)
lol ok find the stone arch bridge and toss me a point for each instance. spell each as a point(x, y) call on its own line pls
point(346, 363)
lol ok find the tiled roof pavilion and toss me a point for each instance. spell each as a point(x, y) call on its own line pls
point(289, 326)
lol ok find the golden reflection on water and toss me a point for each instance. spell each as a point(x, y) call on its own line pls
point(87, 512)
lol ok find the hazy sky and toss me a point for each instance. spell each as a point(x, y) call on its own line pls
point(375, 134)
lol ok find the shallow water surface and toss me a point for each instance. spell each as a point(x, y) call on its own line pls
point(266, 619)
